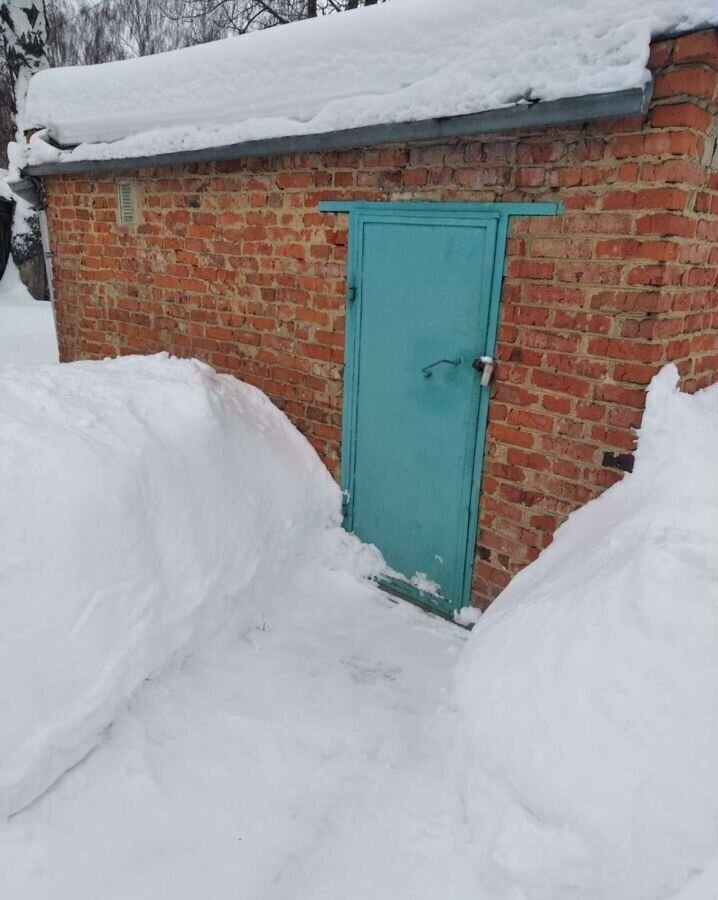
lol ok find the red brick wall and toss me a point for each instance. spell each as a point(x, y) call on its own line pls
point(232, 263)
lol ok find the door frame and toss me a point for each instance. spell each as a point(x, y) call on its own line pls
point(435, 212)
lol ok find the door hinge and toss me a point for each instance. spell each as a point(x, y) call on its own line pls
point(346, 503)
point(351, 293)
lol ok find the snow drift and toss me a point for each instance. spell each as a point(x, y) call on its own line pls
point(404, 61)
point(588, 691)
point(27, 326)
point(145, 503)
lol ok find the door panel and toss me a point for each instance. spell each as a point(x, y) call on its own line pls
point(424, 295)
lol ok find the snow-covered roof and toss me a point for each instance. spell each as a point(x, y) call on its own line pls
point(403, 61)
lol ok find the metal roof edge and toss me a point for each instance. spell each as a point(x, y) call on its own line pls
point(522, 116)
point(25, 189)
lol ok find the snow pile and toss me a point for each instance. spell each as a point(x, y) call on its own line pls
point(146, 504)
point(27, 326)
point(589, 690)
point(406, 60)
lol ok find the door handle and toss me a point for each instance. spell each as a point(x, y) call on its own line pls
point(485, 365)
point(426, 371)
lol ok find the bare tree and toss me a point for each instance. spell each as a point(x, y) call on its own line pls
point(148, 28)
point(239, 16)
point(84, 34)
point(95, 32)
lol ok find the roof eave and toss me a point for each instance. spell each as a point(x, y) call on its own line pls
point(522, 116)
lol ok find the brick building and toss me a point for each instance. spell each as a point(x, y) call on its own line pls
point(365, 279)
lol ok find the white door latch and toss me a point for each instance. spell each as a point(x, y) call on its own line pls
point(485, 365)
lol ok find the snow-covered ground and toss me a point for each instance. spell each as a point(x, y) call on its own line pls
point(308, 758)
point(27, 326)
point(184, 625)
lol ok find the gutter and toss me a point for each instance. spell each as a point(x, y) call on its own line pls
point(520, 117)
point(25, 189)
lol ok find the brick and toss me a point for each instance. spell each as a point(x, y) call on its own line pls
point(527, 419)
point(633, 374)
point(660, 54)
point(560, 383)
point(527, 460)
point(530, 177)
point(667, 224)
point(528, 269)
point(597, 223)
point(511, 435)
point(622, 438)
point(671, 171)
point(656, 276)
point(685, 115)
point(540, 152)
point(615, 348)
point(294, 180)
point(416, 177)
point(626, 248)
point(579, 321)
point(691, 80)
point(556, 404)
point(648, 198)
point(627, 145)
point(701, 46)
point(511, 393)
point(679, 143)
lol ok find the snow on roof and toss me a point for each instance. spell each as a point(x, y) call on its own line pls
point(403, 61)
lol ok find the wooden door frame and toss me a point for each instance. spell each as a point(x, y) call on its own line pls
point(436, 213)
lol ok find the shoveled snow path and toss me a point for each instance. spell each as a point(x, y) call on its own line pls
point(309, 757)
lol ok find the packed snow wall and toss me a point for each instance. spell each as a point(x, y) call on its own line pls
point(589, 690)
point(146, 504)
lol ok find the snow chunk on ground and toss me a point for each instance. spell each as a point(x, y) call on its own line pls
point(146, 504)
point(27, 326)
point(589, 690)
point(404, 61)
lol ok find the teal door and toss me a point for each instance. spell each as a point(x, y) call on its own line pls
point(422, 305)
point(423, 313)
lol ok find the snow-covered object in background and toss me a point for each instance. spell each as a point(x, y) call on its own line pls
point(26, 238)
point(589, 690)
point(5, 192)
point(145, 503)
point(27, 326)
point(404, 61)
